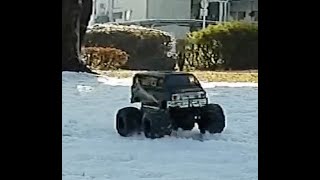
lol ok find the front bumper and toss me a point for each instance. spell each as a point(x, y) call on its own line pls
point(188, 103)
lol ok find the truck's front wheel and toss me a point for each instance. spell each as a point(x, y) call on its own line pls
point(128, 121)
point(156, 124)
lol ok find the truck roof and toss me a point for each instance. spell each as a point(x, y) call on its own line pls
point(162, 73)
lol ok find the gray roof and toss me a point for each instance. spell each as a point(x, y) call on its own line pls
point(165, 22)
point(162, 73)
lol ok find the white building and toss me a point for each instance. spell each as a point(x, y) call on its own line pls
point(241, 9)
point(133, 10)
point(126, 10)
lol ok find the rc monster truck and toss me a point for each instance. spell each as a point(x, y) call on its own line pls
point(169, 100)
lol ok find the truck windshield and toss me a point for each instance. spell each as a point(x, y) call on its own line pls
point(181, 81)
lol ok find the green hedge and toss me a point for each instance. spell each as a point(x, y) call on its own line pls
point(231, 45)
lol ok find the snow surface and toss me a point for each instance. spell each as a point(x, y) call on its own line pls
point(128, 81)
point(92, 149)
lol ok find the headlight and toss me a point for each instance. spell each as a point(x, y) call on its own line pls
point(202, 94)
point(175, 97)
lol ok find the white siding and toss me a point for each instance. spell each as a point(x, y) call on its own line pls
point(244, 6)
point(98, 4)
point(138, 8)
point(169, 9)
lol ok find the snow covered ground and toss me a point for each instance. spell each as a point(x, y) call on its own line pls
point(92, 149)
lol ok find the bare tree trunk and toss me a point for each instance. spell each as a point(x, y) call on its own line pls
point(75, 19)
point(87, 6)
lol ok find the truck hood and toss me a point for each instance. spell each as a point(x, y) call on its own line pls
point(186, 90)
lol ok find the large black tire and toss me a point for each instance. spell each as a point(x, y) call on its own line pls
point(156, 124)
point(212, 120)
point(128, 121)
point(149, 130)
point(185, 122)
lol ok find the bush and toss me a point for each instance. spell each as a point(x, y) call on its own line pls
point(146, 47)
point(231, 45)
point(105, 58)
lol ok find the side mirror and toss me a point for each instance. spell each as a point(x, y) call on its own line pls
point(134, 99)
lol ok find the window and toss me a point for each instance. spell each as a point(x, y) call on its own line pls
point(213, 11)
point(117, 15)
point(195, 11)
point(181, 81)
point(102, 19)
point(102, 8)
point(254, 15)
point(148, 81)
point(241, 15)
point(234, 15)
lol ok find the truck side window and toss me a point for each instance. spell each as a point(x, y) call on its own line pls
point(135, 81)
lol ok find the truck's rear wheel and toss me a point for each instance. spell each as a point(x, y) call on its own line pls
point(212, 119)
point(128, 121)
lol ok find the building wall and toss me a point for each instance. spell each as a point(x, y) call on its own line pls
point(138, 8)
point(241, 7)
point(169, 9)
point(101, 7)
